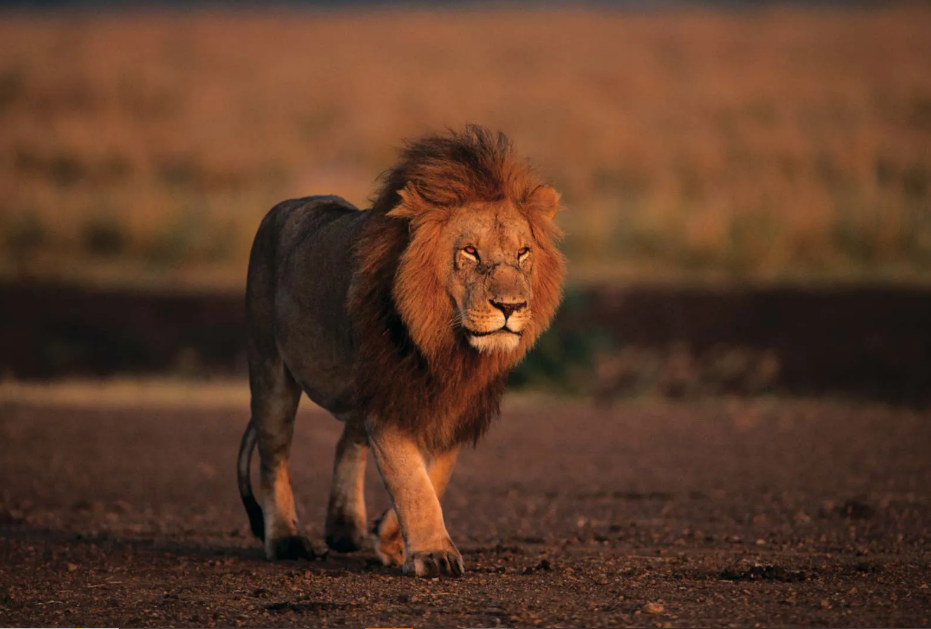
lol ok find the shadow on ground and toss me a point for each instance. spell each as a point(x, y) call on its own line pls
point(867, 342)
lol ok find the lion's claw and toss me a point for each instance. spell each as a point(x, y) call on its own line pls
point(435, 563)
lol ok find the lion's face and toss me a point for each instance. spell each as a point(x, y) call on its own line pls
point(489, 275)
point(484, 272)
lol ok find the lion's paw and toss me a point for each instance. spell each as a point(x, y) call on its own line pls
point(292, 547)
point(435, 563)
point(387, 540)
point(344, 535)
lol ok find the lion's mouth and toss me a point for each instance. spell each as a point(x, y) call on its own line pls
point(503, 330)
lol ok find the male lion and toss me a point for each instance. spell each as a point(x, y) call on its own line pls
point(403, 321)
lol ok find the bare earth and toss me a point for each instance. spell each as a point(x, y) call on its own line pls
point(767, 512)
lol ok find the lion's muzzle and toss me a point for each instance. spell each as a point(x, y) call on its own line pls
point(498, 327)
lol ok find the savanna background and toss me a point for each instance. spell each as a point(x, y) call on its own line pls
point(747, 192)
point(775, 143)
point(696, 146)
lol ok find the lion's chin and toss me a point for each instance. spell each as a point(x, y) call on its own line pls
point(502, 341)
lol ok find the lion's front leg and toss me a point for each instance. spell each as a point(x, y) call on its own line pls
point(428, 550)
point(389, 545)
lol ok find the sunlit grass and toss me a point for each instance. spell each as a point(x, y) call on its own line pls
point(765, 145)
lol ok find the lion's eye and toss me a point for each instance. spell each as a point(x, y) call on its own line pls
point(523, 252)
point(471, 251)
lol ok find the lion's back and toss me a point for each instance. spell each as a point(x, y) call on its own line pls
point(300, 269)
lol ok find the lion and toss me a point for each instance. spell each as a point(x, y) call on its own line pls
point(403, 321)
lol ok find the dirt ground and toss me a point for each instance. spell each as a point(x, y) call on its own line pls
point(738, 513)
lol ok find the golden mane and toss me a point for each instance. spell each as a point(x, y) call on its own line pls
point(414, 368)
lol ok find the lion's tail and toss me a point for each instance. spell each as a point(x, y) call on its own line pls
point(254, 511)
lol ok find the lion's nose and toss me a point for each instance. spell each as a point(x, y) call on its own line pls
point(508, 308)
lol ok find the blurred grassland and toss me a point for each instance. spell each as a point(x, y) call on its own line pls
point(777, 144)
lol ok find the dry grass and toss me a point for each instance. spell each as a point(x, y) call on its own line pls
point(771, 144)
point(174, 393)
point(130, 393)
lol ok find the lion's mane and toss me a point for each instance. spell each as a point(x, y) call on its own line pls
point(415, 370)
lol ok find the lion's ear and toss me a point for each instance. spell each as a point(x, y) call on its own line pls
point(410, 206)
point(545, 199)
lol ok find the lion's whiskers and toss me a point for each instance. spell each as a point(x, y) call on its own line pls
point(455, 321)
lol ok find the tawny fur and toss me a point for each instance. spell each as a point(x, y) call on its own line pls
point(403, 321)
point(414, 368)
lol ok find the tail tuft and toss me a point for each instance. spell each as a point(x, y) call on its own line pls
point(253, 510)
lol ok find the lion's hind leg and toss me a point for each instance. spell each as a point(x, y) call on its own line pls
point(275, 397)
point(387, 540)
point(346, 514)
